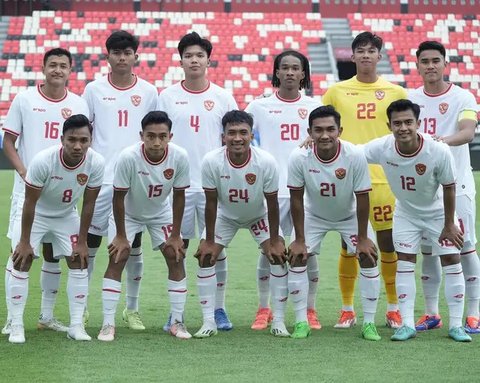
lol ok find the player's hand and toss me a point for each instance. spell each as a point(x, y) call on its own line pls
point(367, 247)
point(296, 250)
point(81, 250)
point(438, 138)
point(308, 143)
point(176, 243)
point(276, 252)
point(451, 234)
point(22, 255)
point(119, 249)
point(207, 248)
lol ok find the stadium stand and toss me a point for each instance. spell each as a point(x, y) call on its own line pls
point(244, 47)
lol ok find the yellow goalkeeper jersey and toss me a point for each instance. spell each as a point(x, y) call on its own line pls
point(363, 108)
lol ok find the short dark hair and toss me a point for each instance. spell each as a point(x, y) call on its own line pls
point(156, 117)
point(194, 38)
point(57, 52)
point(235, 117)
point(122, 40)
point(322, 112)
point(305, 83)
point(365, 38)
point(402, 106)
point(76, 121)
point(431, 45)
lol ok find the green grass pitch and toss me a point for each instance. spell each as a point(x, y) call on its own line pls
point(241, 355)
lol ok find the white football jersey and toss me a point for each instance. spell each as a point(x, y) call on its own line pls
point(439, 114)
point(415, 178)
point(330, 186)
point(150, 183)
point(116, 115)
point(197, 121)
point(37, 121)
point(62, 185)
point(240, 188)
point(280, 126)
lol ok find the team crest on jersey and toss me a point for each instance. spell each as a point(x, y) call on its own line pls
point(250, 178)
point(379, 94)
point(303, 113)
point(443, 107)
point(209, 104)
point(82, 179)
point(136, 99)
point(168, 173)
point(340, 173)
point(420, 168)
point(66, 112)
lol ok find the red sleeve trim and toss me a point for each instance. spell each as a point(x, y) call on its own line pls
point(271, 193)
point(453, 183)
point(94, 187)
point(363, 191)
point(120, 189)
point(295, 187)
point(33, 186)
point(210, 189)
point(11, 132)
point(182, 188)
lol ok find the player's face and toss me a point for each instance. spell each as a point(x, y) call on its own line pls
point(194, 62)
point(404, 126)
point(325, 133)
point(366, 58)
point(75, 144)
point(155, 139)
point(290, 72)
point(237, 138)
point(57, 70)
point(122, 60)
point(431, 65)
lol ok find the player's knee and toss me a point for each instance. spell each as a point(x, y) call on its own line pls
point(74, 263)
point(366, 262)
point(26, 267)
point(93, 241)
point(186, 242)
point(299, 262)
point(137, 241)
point(206, 262)
point(385, 241)
point(450, 259)
point(47, 251)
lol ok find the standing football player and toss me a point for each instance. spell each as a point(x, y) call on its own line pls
point(449, 113)
point(280, 125)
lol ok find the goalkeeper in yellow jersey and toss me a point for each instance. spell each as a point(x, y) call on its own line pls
point(362, 102)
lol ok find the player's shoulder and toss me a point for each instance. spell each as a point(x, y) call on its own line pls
point(215, 156)
point(261, 154)
point(146, 86)
point(349, 149)
point(172, 89)
point(416, 93)
point(98, 82)
point(300, 154)
point(218, 89)
point(132, 152)
point(95, 156)
point(178, 151)
point(310, 102)
point(27, 94)
point(48, 156)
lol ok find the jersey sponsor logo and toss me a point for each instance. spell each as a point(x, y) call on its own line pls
point(181, 102)
point(109, 99)
point(225, 177)
point(420, 169)
point(136, 99)
point(443, 107)
point(82, 179)
point(295, 292)
point(402, 296)
point(303, 113)
point(313, 171)
point(143, 173)
point(458, 296)
point(275, 111)
point(250, 178)
point(39, 110)
point(392, 164)
point(352, 93)
point(340, 173)
point(56, 178)
point(209, 104)
point(379, 94)
point(66, 112)
point(168, 173)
